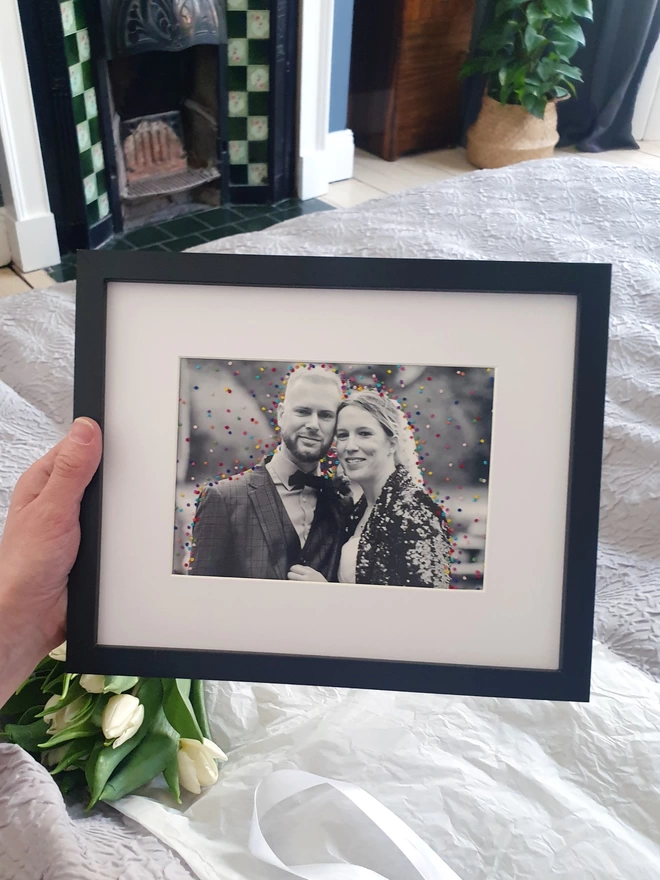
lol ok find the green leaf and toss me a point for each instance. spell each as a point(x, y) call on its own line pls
point(153, 755)
point(104, 759)
point(78, 731)
point(571, 30)
point(583, 9)
point(27, 736)
point(71, 781)
point(54, 680)
point(171, 774)
point(505, 6)
point(560, 8)
point(534, 105)
point(566, 48)
point(30, 695)
point(536, 17)
point(533, 40)
point(71, 695)
point(569, 71)
point(179, 710)
point(198, 703)
point(78, 750)
point(118, 684)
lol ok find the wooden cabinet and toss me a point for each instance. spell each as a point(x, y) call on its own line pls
point(406, 54)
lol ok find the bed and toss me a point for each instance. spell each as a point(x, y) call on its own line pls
point(498, 789)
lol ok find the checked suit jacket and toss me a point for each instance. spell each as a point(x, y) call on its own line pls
point(242, 530)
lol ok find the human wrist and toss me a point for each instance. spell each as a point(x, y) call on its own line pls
point(22, 645)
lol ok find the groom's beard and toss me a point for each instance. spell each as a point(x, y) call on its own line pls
point(304, 452)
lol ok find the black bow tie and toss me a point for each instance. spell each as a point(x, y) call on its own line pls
point(300, 479)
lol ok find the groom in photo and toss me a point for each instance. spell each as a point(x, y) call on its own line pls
point(283, 513)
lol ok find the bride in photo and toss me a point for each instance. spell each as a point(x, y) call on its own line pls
point(396, 534)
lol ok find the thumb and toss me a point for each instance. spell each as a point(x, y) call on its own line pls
point(76, 460)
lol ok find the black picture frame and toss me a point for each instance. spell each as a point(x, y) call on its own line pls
point(589, 283)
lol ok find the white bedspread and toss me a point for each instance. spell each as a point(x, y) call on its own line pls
point(500, 790)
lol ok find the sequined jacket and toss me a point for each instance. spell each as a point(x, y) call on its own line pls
point(404, 542)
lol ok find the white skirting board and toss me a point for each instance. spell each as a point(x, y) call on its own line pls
point(33, 241)
point(340, 155)
point(5, 253)
point(317, 170)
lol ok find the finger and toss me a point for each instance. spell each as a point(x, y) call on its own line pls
point(294, 576)
point(74, 464)
point(298, 569)
point(31, 483)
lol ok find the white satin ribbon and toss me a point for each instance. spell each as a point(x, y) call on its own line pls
point(282, 784)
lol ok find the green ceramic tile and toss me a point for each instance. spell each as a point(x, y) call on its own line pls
point(258, 151)
point(236, 24)
point(86, 163)
point(222, 232)
point(250, 212)
point(258, 51)
point(257, 224)
point(259, 4)
point(237, 79)
point(258, 103)
point(94, 130)
point(79, 110)
point(79, 10)
point(183, 226)
point(88, 78)
point(237, 128)
point(238, 175)
point(100, 182)
point(71, 50)
point(119, 244)
point(147, 235)
point(92, 213)
point(182, 244)
point(218, 217)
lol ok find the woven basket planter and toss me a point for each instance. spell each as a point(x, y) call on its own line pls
point(507, 134)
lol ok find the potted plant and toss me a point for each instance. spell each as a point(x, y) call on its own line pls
point(525, 55)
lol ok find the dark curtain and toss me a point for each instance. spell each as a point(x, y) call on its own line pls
point(618, 44)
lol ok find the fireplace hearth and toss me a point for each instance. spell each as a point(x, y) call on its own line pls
point(148, 109)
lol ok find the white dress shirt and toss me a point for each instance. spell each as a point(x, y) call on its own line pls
point(300, 504)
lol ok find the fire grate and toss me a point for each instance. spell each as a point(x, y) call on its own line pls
point(169, 184)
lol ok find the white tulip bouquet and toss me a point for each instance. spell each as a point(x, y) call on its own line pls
point(112, 734)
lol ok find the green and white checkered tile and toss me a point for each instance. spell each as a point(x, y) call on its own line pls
point(248, 45)
point(85, 111)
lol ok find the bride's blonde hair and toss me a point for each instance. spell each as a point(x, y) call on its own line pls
point(393, 421)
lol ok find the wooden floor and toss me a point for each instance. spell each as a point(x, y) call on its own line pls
point(374, 178)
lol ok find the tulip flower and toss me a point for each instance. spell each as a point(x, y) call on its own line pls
point(196, 763)
point(122, 718)
point(59, 653)
point(93, 684)
point(60, 719)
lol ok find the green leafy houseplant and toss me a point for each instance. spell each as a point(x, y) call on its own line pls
point(525, 52)
point(108, 735)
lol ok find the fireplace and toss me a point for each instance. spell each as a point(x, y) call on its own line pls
point(148, 109)
point(163, 85)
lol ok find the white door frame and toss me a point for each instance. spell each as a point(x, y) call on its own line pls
point(323, 157)
point(30, 225)
point(646, 121)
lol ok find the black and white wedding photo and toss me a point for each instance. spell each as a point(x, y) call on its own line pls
point(352, 473)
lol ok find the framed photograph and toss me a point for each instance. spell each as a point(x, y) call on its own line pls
point(337, 471)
